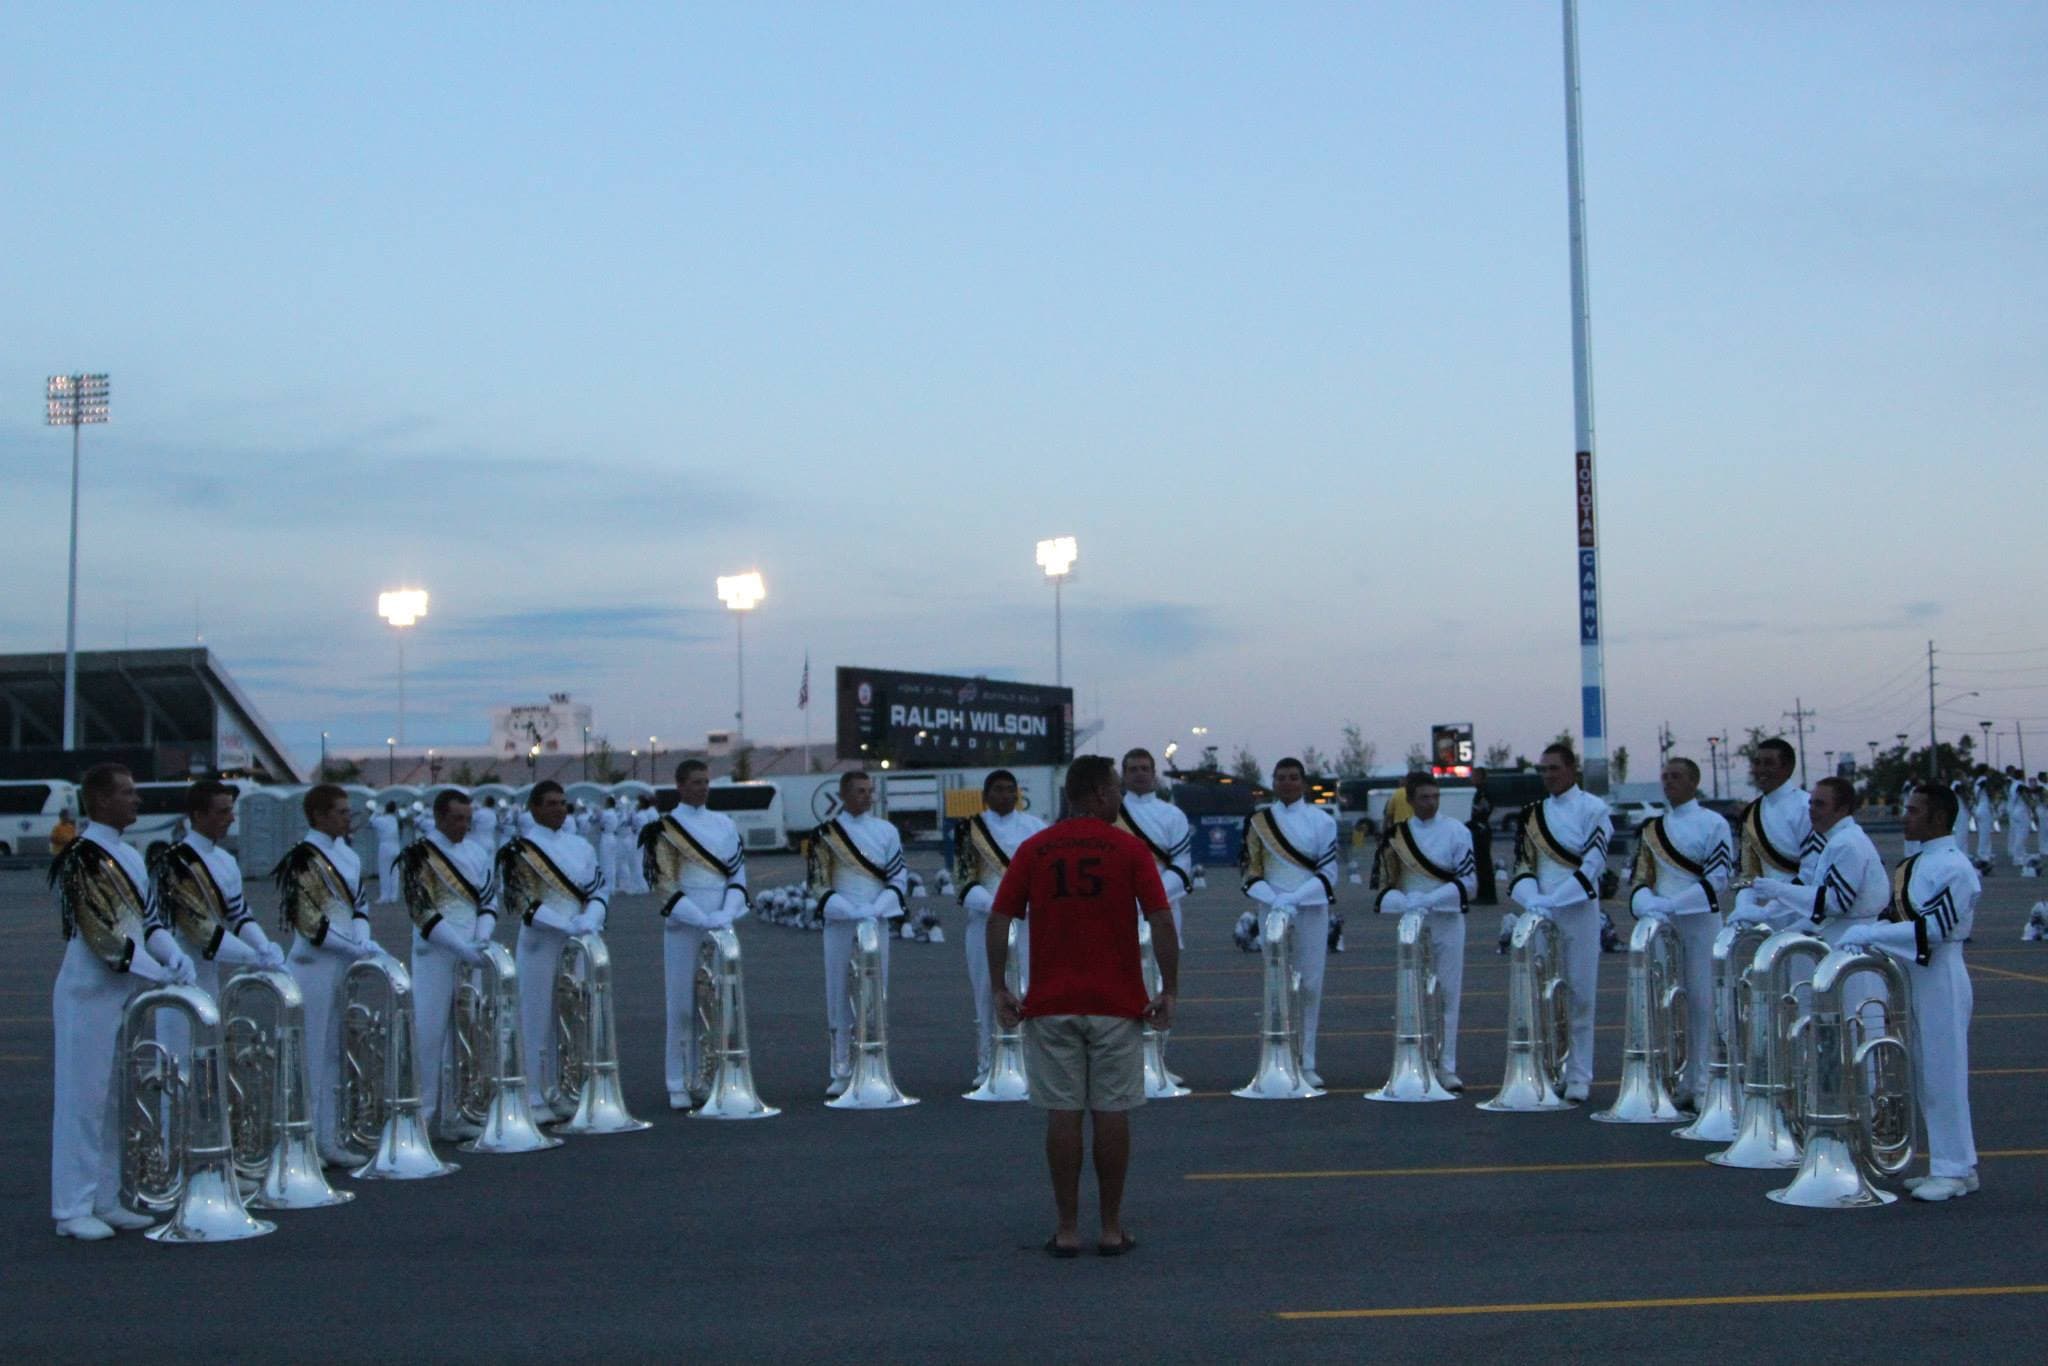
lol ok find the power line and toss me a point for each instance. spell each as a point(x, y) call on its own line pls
point(1987, 654)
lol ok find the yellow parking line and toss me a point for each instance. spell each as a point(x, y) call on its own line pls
point(1517, 1168)
point(2008, 972)
point(1670, 1302)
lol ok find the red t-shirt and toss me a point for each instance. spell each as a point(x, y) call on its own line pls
point(1079, 887)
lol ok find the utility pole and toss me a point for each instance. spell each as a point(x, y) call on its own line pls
point(1933, 741)
point(1714, 762)
point(1666, 742)
point(1798, 716)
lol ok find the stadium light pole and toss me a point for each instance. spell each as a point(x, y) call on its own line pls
point(402, 607)
point(73, 401)
point(741, 593)
point(1592, 648)
point(1056, 557)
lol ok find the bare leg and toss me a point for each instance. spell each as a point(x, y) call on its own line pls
point(1063, 1156)
point(1112, 1162)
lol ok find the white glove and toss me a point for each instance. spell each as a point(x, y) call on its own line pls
point(978, 900)
point(1857, 937)
point(176, 964)
point(887, 905)
point(1263, 893)
point(141, 965)
point(486, 928)
point(273, 956)
point(236, 954)
point(1769, 889)
point(449, 939)
point(1444, 898)
point(735, 907)
point(1649, 905)
point(1525, 894)
point(839, 906)
point(1394, 903)
point(583, 922)
point(553, 919)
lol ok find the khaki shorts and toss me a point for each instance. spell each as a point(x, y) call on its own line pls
point(1085, 1062)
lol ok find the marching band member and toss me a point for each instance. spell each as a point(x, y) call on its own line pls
point(450, 884)
point(325, 908)
point(1290, 864)
point(985, 843)
point(1777, 839)
point(857, 872)
point(1161, 825)
point(1559, 861)
point(1984, 806)
point(1849, 880)
point(114, 946)
point(551, 880)
point(483, 824)
point(1681, 873)
point(198, 890)
point(1933, 903)
point(694, 858)
point(1427, 864)
point(2019, 817)
point(611, 842)
point(390, 839)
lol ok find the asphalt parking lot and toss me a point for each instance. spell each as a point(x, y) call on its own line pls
point(1326, 1226)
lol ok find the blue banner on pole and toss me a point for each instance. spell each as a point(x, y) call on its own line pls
point(1594, 721)
point(1589, 597)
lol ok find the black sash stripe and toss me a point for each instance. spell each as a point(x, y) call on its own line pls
point(727, 867)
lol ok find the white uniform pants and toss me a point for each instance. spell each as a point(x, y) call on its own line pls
point(319, 975)
point(85, 1133)
point(1447, 961)
point(387, 874)
point(978, 983)
point(1942, 1001)
point(680, 944)
point(1311, 952)
point(2016, 840)
point(1696, 948)
point(538, 956)
point(838, 954)
point(1579, 931)
point(1986, 848)
point(436, 973)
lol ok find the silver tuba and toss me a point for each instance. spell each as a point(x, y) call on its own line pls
point(1539, 1021)
point(176, 1153)
point(1418, 1017)
point(1160, 1083)
point(1006, 1079)
point(1720, 1110)
point(725, 1070)
point(1653, 1048)
point(489, 1082)
point(1279, 1075)
point(1764, 1029)
point(1858, 1108)
point(269, 1094)
point(871, 1086)
point(587, 1043)
point(379, 1102)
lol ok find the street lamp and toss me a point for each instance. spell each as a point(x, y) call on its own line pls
point(653, 758)
point(586, 754)
point(1056, 557)
point(742, 593)
point(73, 401)
point(391, 760)
point(402, 607)
point(323, 758)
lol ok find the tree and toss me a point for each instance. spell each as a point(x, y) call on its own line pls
point(1357, 755)
point(604, 763)
point(1499, 754)
point(1746, 751)
point(465, 775)
point(1418, 757)
point(1313, 761)
point(1244, 764)
point(1564, 737)
point(1619, 763)
point(340, 771)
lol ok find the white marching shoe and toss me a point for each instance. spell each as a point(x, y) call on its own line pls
point(1450, 1081)
point(1576, 1090)
point(1938, 1188)
point(1312, 1077)
point(86, 1230)
point(123, 1218)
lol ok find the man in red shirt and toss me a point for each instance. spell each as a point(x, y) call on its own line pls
point(1074, 884)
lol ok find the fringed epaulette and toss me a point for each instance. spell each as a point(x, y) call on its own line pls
point(1244, 845)
point(650, 851)
point(414, 882)
point(514, 875)
point(288, 877)
point(70, 872)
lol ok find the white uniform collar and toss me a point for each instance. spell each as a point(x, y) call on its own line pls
point(1839, 828)
point(199, 842)
point(688, 808)
point(1686, 807)
point(106, 836)
point(325, 843)
point(1941, 844)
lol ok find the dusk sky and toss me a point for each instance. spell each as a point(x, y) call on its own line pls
point(562, 311)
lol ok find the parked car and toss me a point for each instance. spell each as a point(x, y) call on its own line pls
point(1631, 815)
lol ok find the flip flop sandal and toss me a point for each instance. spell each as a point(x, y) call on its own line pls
point(1053, 1249)
point(1129, 1244)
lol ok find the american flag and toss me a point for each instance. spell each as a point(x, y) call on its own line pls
point(803, 691)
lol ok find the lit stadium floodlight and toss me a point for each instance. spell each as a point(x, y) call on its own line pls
point(402, 607)
point(1056, 557)
point(73, 401)
point(742, 593)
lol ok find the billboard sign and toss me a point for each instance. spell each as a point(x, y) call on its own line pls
point(943, 721)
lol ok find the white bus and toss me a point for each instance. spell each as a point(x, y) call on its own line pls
point(756, 808)
point(29, 812)
point(163, 815)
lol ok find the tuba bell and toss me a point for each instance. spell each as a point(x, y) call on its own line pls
point(725, 1070)
point(1539, 1024)
point(1006, 1079)
point(379, 1102)
point(1858, 1110)
point(489, 1080)
point(871, 1086)
point(1418, 1018)
point(269, 1095)
point(1720, 1110)
point(1279, 1075)
point(1160, 1083)
point(176, 1151)
point(1764, 1029)
point(1653, 1049)
point(587, 1043)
